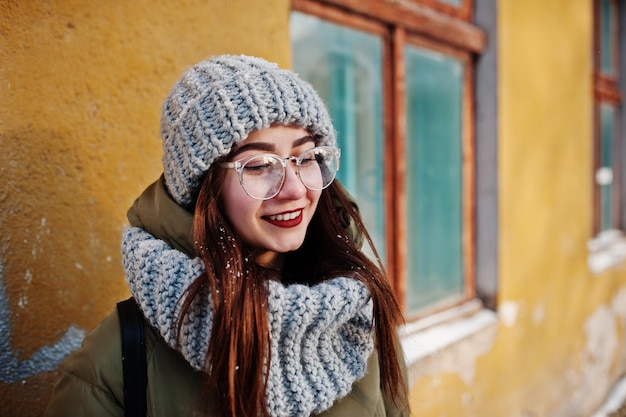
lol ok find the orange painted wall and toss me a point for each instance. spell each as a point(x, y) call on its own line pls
point(81, 85)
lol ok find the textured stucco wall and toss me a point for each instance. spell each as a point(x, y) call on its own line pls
point(560, 341)
point(81, 85)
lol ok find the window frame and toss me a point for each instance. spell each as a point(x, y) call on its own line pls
point(468, 167)
point(606, 90)
point(463, 12)
point(439, 27)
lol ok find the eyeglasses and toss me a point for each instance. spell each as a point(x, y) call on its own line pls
point(262, 176)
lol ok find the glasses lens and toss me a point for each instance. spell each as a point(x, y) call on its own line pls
point(262, 176)
point(318, 167)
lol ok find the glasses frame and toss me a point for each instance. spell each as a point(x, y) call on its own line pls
point(240, 163)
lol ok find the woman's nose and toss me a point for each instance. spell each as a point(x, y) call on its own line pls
point(293, 187)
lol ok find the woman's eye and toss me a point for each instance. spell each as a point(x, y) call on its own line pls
point(307, 161)
point(257, 168)
point(260, 165)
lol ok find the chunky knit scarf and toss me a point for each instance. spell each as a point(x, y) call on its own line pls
point(321, 336)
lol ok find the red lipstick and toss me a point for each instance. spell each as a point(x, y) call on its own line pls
point(288, 219)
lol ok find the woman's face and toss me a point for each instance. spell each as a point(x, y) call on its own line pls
point(277, 225)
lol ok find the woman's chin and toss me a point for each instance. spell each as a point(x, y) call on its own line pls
point(289, 246)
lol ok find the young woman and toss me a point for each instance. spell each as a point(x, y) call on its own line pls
point(244, 258)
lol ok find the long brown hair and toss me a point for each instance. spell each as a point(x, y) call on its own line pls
point(236, 358)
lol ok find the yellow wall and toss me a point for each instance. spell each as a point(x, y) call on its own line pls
point(560, 340)
point(81, 85)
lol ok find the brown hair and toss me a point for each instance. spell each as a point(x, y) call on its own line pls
point(236, 358)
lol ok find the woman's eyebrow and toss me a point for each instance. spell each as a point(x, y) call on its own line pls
point(303, 140)
point(255, 146)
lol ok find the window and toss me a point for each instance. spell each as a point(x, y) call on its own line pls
point(434, 178)
point(398, 80)
point(608, 164)
point(344, 65)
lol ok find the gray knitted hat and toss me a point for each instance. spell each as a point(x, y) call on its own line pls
point(218, 103)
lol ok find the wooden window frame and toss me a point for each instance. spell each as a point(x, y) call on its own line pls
point(413, 16)
point(606, 89)
point(464, 11)
point(439, 27)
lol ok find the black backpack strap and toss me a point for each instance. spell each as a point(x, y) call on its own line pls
point(133, 358)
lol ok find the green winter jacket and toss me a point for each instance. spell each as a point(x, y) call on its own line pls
point(91, 383)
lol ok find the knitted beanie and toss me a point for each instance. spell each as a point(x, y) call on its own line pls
point(218, 103)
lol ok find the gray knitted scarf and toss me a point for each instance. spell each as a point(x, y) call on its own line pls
point(321, 336)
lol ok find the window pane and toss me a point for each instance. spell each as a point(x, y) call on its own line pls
point(434, 91)
point(604, 176)
point(345, 66)
point(607, 30)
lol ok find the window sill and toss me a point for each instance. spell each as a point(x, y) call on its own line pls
point(606, 250)
point(433, 345)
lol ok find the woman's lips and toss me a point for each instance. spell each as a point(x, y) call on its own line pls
point(288, 219)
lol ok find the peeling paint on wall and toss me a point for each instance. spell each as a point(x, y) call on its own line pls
point(45, 359)
point(508, 313)
point(602, 343)
point(600, 354)
point(614, 402)
point(618, 305)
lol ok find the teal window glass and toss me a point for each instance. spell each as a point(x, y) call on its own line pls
point(604, 175)
point(607, 38)
point(345, 67)
point(434, 91)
